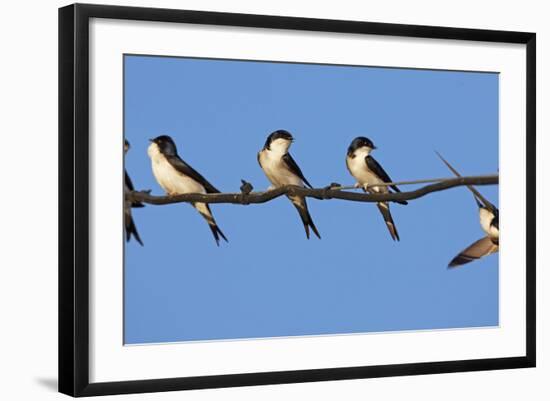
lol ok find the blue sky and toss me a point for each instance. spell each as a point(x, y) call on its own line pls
point(269, 280)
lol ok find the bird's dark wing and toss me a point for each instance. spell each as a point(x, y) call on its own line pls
point(189, 171)
point(477, 250)
point(377, 169)
point(494, 222)
point(130, 187)
point(293, 167)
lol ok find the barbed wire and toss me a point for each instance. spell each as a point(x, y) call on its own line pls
point(332, 191)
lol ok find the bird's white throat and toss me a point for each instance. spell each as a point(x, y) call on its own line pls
point(362, 152)
point(169, 178)
point(153, 150)
point(279, 147)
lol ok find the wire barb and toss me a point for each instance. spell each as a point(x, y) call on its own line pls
point(246, 188)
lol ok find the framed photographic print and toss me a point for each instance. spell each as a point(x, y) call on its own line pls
point(249, 199)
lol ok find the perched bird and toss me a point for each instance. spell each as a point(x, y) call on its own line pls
point(488, 218)
point(281, 169)
point(128, 220)
point(177, 177)
point(366, 170)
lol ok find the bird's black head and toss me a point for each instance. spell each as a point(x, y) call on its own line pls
point(279, 134)
point(166, 145)
point(358, 143)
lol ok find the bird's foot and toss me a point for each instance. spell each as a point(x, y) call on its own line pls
point(271, 188)
point(364, 186)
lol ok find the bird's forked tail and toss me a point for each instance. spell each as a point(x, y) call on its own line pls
point(301, 207)
point(205, 212)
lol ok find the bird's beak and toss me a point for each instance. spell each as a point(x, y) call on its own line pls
point(374, 147)
point(151, 140)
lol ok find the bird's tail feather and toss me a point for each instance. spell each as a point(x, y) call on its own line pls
point(205, 212)
point(217, 233)
point(384, 208)
point(132, 230)
point(301, 207)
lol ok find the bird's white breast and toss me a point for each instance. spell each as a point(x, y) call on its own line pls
point(358, 168)
point(276, 170)
point(485, 219)
point(170, 179)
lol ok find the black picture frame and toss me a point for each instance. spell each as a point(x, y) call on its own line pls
point(74, 198)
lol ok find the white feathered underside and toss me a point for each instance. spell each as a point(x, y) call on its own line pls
point(276, 169)
point(171, 180)
point(485, 219)
point(358, 168)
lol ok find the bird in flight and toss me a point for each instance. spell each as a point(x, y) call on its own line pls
point(281, 169)
point(488, 218)
point(177, 177)
point(129, 224)
point(366, 170)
